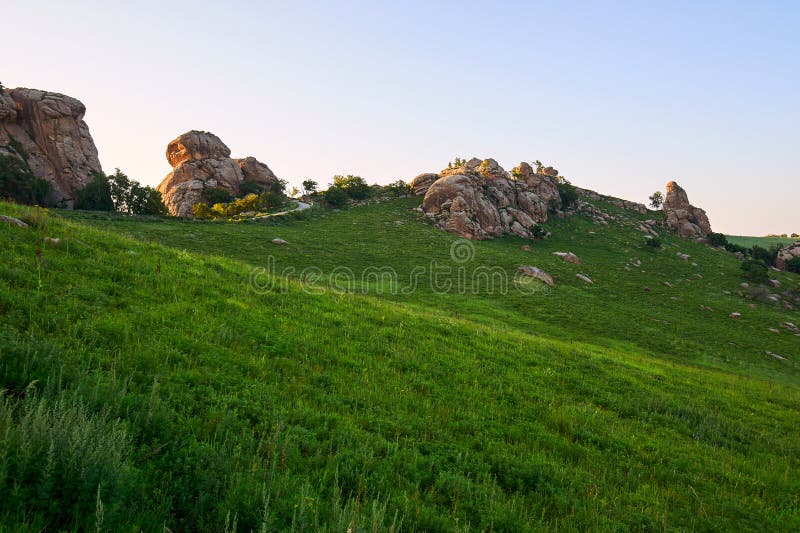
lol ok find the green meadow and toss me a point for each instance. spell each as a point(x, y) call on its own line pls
point(379, 374)
point(764, 242)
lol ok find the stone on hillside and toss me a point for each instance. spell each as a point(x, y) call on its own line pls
point(47, 131)
point(538, 273)
point(735, 316)
point(685, 257)
point(774, 283)
point(569, 257)
point(526, 247)
point(688, 220)
point(776, 356)
point(584, 277)
point(13, 221)
point(279, 241)
point(52, 241)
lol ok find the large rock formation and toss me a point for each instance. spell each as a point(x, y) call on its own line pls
point(48, 132)
point(786, 254)
point(688, 220)
point(480, 200)
point(201, 161)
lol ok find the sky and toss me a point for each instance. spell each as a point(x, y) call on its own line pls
point(621, 97)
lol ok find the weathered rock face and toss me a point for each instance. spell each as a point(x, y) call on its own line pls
point(480, 200)
point(688, 220)
point(47, 131)
point(421, 183)
point(787, 253)
point(200, 160)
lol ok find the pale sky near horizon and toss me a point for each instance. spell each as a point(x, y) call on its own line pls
point(621, 97)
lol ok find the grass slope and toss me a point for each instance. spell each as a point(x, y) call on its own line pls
point(146, 384)
point(764, 242)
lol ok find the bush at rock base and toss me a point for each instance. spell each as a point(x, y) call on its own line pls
point(335, 196)
point(354, 186)
point(18, 183)
point(793, 265)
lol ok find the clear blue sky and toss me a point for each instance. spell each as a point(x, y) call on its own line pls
point(620, 96)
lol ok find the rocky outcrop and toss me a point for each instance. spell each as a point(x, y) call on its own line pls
point(787, 253)
point(422, 183)
point(480, 200)
point(48, 132)
point(688, 220)
point(201, 161)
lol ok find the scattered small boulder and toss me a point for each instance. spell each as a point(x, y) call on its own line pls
point(279, 242)
point(584, 277)
point(526, 248)
point(735, 316)
point(538, 273)
point(774, 283)
point(791, 327)
point(705, 308)
point(774, 330)
point(776, 356)
point(13, 221)
point(685, 257)
point(569, 257)
point(52, 241)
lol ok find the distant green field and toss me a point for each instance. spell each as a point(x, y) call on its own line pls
point(378, 374)
point(764, 242)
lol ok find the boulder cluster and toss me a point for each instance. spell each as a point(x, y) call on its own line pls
point(688, 220)
point(47, 131)
point(477, 199)
point(786, 254)
point(200, 162)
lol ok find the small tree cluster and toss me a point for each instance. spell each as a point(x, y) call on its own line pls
point(567, 192)
point(17, 182)
point(354, 186)
point(754, 270)
point(251, 202)
point(335, 196)
point(120, 193)
point(717, 239)
point(398, 188)
point(656, 199)
point(309, 187)
point(793, 265)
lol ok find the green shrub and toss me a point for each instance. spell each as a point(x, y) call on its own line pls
point(216, 195)
point(717, 239)
point(656, 199)
point(250, 187)
point(538, 232)
point(96, 196)
point(765, 256)
point(653, 242)
point(201, 211)
point(354, 186)
point(398, 188)
point(735, 248)
point(754, 270)
point(568, 193)
point(793, 265)
point(335, 196)
point(18, 183)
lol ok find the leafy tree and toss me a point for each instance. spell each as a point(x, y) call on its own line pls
point(132, 198)
point(18, 183)
point(294, 192)
point(539, 166)
point(96, 195)
point(335, 196)
point(793, 265)
point(354, 186)
point(656, 200)
point(795, 235)
point(717, 239)
point(310, 186)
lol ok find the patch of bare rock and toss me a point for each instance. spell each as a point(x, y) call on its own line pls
point(46, 130)
point(200, 162)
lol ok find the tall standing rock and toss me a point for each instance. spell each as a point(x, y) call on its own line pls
point(688, 220)
point(47, 131)
point(201, 161)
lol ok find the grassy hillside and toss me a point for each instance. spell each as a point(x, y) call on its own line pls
point(153, 376)
point(764, 242)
